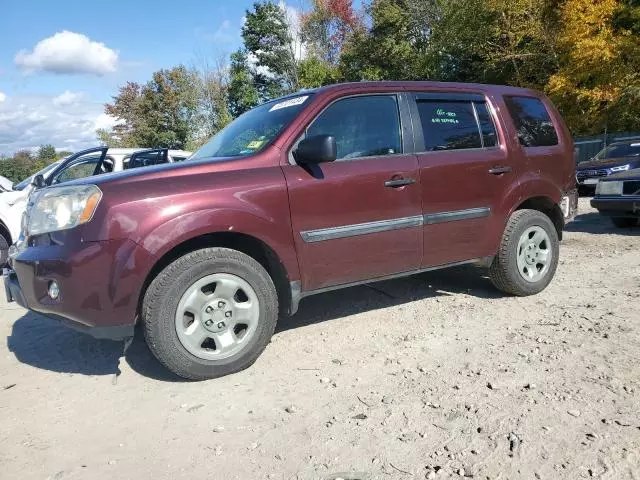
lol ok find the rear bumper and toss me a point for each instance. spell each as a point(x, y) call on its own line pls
point(99, 284)
point(618, 206)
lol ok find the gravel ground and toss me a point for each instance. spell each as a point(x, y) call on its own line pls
point(433, 376)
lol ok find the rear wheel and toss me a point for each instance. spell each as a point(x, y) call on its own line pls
point(210, 313)
point(4, 248)
point(528, 256)
point(625, 222)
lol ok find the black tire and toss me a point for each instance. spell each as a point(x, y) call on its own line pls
point(504, 272)
point(625, 222)
point(4, 249)
point(161, 302)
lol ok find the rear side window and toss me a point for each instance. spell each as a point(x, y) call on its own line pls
point(456, 124)
point(532, 121)
point(366, 126)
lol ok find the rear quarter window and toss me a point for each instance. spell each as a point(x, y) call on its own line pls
point(532, 121)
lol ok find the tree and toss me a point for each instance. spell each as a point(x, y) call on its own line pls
point(161, 113)
point(268, 46)
point(314, 72)
point(597, 84)
point(394, 48)
point(326, 27)
point(46, 153)
point(243, 94)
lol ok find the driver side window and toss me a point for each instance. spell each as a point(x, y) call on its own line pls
point(81, 168)
point(364, 126)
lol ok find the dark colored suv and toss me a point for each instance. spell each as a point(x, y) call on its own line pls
point(319, 190)
point(615, 158)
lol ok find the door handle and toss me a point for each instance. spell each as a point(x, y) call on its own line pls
point(400, 182)
point(499, 170)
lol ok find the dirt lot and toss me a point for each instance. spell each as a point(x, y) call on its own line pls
point(399, 380)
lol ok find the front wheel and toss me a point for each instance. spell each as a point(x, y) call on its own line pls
point(528, 255)
point(210, 313)
point(625, 222)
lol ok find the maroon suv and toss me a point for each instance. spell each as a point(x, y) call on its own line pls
point(319, 190)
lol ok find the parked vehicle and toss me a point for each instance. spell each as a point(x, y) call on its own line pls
point(617, 157)
point(86, 163)
point(618, 197)
point(323, 189)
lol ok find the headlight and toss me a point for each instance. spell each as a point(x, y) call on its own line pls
point(61, 208)
point(620, 168)
point(609, 188)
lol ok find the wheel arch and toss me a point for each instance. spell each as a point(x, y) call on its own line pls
point(248, 244)
point(547, 206)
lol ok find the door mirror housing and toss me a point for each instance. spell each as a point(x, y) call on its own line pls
point(318, 149)
point(38, 181)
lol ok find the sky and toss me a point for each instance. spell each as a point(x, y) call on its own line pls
point(60, 61)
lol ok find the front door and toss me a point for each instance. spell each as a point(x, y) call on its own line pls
point(465, 173)
point(358, 217)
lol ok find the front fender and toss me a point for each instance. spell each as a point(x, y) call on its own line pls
point(164, 237)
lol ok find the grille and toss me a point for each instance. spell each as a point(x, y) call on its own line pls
point(602, 172)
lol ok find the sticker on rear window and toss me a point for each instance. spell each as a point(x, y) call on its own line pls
point(289, 103)
point(444, 116)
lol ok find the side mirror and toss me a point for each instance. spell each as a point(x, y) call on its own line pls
point(38, 181)
point(318, 149)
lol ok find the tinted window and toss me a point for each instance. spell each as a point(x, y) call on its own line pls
point(532, 121)
point(488, 129)
point(362, 126)
point(448, 125)
point(146, 159)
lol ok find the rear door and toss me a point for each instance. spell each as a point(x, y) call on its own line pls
point(360, 216)
point(464, 174)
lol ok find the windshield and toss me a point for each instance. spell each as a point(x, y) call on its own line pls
point(620, 151)
point(27, 181)
point(253, 130)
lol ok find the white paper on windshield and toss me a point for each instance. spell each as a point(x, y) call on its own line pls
point(289, 103)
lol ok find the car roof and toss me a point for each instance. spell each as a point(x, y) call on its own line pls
point(404, 85)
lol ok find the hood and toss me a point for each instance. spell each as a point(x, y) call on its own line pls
point(607, 163)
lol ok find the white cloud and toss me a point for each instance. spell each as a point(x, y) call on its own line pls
point(3, 97)
point(68, 53)
point(67, 98)
point(30, 121)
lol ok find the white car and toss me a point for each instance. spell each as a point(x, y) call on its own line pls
point(94, 161)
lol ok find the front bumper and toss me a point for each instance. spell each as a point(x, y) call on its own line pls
point(100, 284)
point(618, 206)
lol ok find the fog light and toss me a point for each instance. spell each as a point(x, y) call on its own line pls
point(54, 290)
